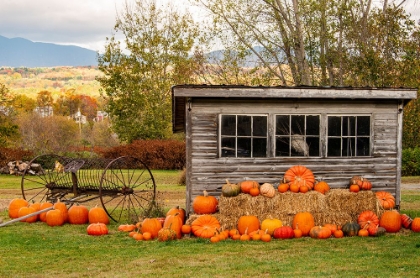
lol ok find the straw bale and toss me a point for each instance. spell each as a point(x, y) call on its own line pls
point(337, 207)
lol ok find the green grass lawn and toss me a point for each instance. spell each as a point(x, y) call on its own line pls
point(37, 250)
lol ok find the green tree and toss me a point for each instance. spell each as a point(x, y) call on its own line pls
point(137, 80)
point(8, 130)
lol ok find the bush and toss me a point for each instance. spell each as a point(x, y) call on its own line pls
point(410, 162)
point(156, 154)
point(11, 154)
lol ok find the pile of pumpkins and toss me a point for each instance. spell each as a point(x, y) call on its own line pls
point(57, 214)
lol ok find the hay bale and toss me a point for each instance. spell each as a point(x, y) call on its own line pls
point(338, 206)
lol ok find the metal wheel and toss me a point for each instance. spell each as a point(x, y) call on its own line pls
point(127, 190)
point(42, 178)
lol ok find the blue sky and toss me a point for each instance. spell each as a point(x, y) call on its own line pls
point(85, 23)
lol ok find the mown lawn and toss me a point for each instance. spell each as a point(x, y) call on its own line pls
point(37, 250)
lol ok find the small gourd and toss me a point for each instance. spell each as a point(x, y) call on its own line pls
point(351, 229)
point(230, 189)
point(267, 190)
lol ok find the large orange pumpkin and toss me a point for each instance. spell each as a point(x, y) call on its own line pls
point(248, 223)
point(300, 175)
point(43, 215)
point(152, 226)
point(78, 214)
point(391, 221)
point(386, 199)
point(177, 211)
point(205, 204)
point(205, 226)
point(367, 219)
point(54, 217)
point(305, 221)
point(98, 215)
point(15, 205)
point(174, 222)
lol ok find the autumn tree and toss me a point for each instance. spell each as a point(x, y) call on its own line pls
point(8, 130)
point(138, 77)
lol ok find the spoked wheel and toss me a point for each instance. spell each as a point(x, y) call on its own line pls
point(42, 177)
point(127, 190)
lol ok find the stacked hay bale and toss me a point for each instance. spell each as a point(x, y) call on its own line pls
point(337, 206)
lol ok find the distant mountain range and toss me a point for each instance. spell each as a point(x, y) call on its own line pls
point(18, 52)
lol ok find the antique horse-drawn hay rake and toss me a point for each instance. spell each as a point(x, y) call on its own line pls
point(125, 186)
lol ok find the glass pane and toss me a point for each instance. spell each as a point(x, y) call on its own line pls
point(334, 126)
point(282, 125)
point(260, 126)
point(228, 125)
point(349, 147)
point(282, 146)
point(228, 147)
point(334, 147)
point(298, 124)
point(244, 147)
point(349, 126)
point(259, 147)
point(312, 125)
point(363, 125)
point(313, 143)
point(363, 146)
point(299, 146)
point(244, 126)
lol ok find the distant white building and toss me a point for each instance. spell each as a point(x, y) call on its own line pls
point(79, 117)
point(44, 111)
point(100, 116)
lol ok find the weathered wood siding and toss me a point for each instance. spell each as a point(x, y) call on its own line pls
point(207, 171)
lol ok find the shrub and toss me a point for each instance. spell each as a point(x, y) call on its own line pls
point(11, 154)
point(410, 162)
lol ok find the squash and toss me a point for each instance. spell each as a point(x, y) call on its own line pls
point(78, 214)
point(283, 187)
point(363, 232)
point(332, 227)
point(322, 187)
point(254, 192)
point(354, 188)
point(366, 219)
point(151, 226)
point(166, 234)
point(338, 234)
point(24, 211)
point(284, 232)
point(415, 225)
point(98, 215)
point(350, 228)
point(319, 232)
point(205, 226)
point(248, 223)
point(270, 224)
point(15, 205)
point(386, 199)
point(230, 189)
point(97, 229)
point(376, 231)
point(391, 221)
point(173, 222)
point(406, 221)
point(43, 216)
point(63, 208)
point(267, 190)
point(300, 175)
point(54, 217)
point(205, 204)
point(177, 211)
point(246, 185)
point(363, 183)
point(305, 221)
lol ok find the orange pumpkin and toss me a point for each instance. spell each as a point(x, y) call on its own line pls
point(205, 226)
point(97, 229)
point(363, 232)
point(319, 232)
point(406, 221)
point(54, 217)
point(179, 211)
point(174, 222)
point(151, 226)
point(246, 185)
point(167, 233)
point(205, 204)
point(186, 229)
point(78, 214)
point(367, 219)
point(332, 227)
point(322, 187)
point(43, 216)
point(354, 188)
point(15, 205)
point(24, 211)
point(300, 175)
point(255, 191)
point(297, 232)
point(391, 221)
point(386, 199)
point(270, 224)
point(98, 215)
point(266, 237)
point(248, 223)
point(63, 208)
point(283, 187)
point(415, 225)
point(305, 221)
point(338, 234)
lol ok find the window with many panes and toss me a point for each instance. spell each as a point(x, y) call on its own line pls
point(348, 136)
point(297, 135)
point(243, 135)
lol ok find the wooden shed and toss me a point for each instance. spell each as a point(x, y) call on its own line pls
point(244, 132)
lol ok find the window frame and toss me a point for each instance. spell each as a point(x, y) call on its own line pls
point(354, 137)
point(236, 136)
